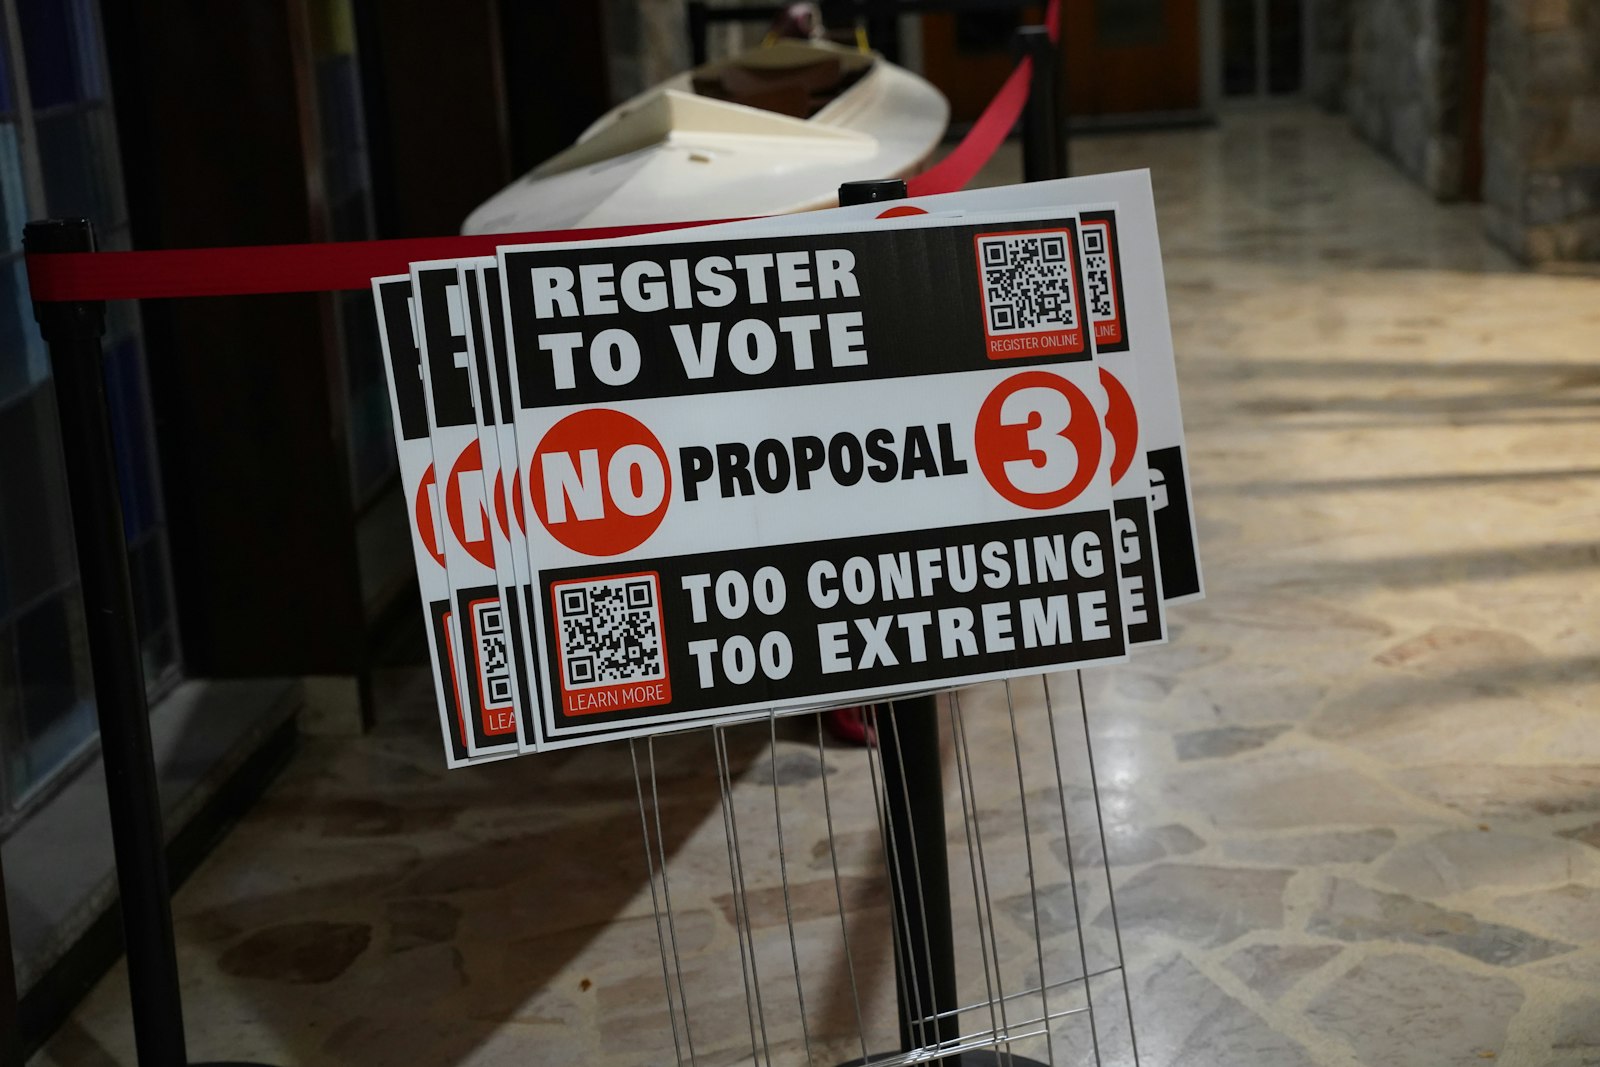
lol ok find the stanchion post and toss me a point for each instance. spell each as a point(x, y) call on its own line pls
point(919, 861)
point(913, 786)
point(883, 28)
point(10, 1034)
point(1058, 93)
point(1044, 132)
point(72, 331)
point(699, 29)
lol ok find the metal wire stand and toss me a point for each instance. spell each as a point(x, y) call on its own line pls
point(826, 874)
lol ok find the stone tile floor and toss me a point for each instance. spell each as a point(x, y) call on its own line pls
point(1353, 807)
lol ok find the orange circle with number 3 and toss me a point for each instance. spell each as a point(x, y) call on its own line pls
point(1038, 440)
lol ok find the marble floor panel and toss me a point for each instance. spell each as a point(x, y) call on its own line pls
point(1352, 809)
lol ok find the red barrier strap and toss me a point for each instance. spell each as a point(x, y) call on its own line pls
point(964, 162)
point(312, 268)
point(305, 268)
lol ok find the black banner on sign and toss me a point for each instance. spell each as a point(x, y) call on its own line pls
point(1169, 497)
point(409, 399)
point(483, 363)
point(448, 376)
point(667, 638)
point(596, 325)
point(1141, 586)
point(507, 412)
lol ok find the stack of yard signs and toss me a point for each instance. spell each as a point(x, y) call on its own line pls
point(788, 464)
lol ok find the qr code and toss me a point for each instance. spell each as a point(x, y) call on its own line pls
point(494, 659)
point(610, 631)
point(1027, 282)
point(1097, 272)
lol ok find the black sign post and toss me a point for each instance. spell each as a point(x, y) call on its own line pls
point(72, 330)
point(919, 863)
point(1044, 126)
point(10, 1038)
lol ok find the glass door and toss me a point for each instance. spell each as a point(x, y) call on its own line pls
point(1263, 47)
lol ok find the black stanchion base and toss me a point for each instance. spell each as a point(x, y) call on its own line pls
point(986, 1057)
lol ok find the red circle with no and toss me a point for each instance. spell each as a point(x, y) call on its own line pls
point(587, 516)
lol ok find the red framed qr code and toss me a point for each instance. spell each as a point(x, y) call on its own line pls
point(1102, 281)
point(491, 642)
point(610, 645)
point(1031, 293)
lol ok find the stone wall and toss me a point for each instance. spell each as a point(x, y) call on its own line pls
point(1328, 52)
point(1541, 182)
point(1404, 91)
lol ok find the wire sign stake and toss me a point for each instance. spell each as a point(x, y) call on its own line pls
point(826, 873)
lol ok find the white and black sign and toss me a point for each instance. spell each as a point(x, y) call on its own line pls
point(777, 471)
point(1135, 324)
point(1124, 453)
point(790, 463)
point(402, 356)
point(491, 696)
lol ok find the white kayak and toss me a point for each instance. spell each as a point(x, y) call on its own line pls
point(814, 115)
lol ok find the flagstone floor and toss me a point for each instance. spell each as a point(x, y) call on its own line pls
point(1353, 808)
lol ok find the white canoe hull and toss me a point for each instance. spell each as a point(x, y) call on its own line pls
point(671, 155)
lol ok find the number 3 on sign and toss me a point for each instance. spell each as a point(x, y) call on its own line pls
point(1038, 440)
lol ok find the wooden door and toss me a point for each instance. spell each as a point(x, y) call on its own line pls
point(1126, 57)
point(1123, 57)
point(967, 54)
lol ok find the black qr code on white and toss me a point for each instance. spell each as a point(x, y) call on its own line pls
point(1027, 282)
point(494, 660)
point(610, 631)
point(1097, 273)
